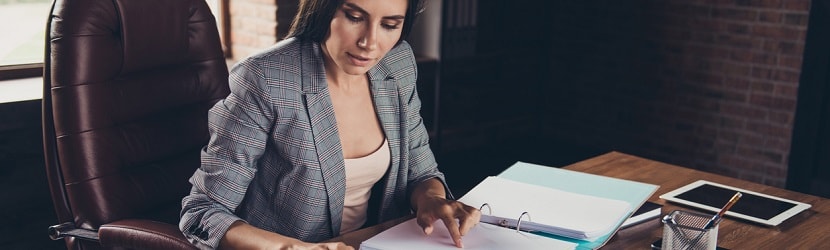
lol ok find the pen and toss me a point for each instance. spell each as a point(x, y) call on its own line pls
point(715, 219)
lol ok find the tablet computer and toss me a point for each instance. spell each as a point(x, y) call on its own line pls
point(753, 206)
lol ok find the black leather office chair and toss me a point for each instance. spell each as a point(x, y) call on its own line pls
point(127, 86)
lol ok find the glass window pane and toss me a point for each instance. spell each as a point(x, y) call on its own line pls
point(23, 23)
point(216, 9)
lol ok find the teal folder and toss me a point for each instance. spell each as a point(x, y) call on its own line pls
point(635, 193)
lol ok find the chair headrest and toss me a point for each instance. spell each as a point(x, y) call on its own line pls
point(153, 36)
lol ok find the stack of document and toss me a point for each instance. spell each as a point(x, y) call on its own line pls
point(546, 209)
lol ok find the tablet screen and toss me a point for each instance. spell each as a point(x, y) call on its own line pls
point(749, 204)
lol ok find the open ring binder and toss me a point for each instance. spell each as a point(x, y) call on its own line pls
point(519, 222)
point(489, 211)
point(573, 206)
point(554, 211)
point(504, 222)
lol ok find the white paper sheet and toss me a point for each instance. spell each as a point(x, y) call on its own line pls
point(410, 236)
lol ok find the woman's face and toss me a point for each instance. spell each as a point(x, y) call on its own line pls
point(361, 33)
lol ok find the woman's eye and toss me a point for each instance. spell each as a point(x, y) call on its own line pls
point(353, 18)
point(390, 26)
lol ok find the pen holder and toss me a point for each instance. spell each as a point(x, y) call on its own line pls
point(684, 230)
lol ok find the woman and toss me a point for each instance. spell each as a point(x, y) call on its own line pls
point(321, 135)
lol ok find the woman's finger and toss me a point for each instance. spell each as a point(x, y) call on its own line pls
point(452, 226)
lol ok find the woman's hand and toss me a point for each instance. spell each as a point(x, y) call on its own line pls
point(430, 204)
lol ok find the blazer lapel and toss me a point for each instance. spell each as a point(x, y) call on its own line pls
point(387, 106)
point(389, 109)
point(324, 130)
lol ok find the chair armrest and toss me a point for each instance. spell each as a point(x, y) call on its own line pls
point(142, 234)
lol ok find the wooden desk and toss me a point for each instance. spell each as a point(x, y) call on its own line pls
point(808, 230)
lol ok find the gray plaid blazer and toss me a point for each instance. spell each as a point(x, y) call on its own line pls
point(274, 157)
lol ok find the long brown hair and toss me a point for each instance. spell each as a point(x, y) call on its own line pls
point(313, 19)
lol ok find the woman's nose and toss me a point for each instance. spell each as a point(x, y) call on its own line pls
point(368, 40)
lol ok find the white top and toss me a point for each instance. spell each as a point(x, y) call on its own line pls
point(361, 174)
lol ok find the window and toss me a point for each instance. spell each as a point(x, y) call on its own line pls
point(21, 49)
point(23, 23)
point(219, 8)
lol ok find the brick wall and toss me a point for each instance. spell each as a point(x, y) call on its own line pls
point(705, 84)
point(254, 26)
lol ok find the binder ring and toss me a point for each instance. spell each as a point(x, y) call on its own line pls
point(519, 222)
point(489, 211)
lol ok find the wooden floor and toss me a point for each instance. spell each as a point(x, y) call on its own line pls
point(27, 208)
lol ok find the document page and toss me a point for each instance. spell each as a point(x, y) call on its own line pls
point(410, 236)
point(550, 210)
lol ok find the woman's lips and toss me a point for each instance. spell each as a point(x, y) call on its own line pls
point(359, 60)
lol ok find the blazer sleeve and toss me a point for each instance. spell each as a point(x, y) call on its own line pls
point(239, 127)
point(422, 165)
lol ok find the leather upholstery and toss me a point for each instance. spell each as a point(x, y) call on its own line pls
point(142, 234)
point(127, 86)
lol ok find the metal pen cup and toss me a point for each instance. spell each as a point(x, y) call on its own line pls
point(684, 230)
